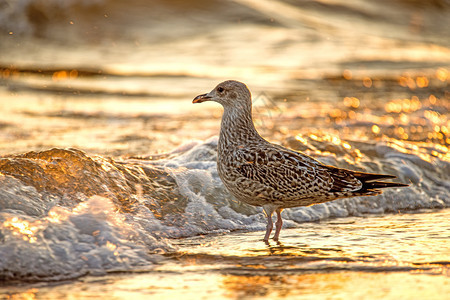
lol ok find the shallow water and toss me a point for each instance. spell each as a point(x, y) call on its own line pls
point(108, 182)
point(402, 255)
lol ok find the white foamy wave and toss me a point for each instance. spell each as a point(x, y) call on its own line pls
point(91, 238)
point(49, 237)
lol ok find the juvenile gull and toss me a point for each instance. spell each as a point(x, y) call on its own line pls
point(264, 174)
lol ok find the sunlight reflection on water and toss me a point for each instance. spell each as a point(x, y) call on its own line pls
point(342, 258)
point(352, 83)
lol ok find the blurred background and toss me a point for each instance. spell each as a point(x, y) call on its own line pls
point(117, 77)
point(357, 84)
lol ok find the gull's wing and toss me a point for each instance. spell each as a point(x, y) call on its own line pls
point(284, 174)
point(289, 177)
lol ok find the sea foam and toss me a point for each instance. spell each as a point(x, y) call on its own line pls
point(55, 234)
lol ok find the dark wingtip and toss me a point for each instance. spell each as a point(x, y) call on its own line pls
point(382, 185)
point(368, 177)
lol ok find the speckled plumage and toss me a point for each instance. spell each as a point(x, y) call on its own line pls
point(264, 174)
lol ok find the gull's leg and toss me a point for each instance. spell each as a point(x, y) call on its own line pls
point(278, 224)
point(268, 210)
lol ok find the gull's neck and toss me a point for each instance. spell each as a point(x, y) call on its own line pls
point(237, 128)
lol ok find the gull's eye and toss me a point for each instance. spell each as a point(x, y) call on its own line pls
point(220, 89)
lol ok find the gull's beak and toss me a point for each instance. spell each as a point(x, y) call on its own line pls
point(201, 98)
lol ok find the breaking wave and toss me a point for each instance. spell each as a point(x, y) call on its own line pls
point(64, 214)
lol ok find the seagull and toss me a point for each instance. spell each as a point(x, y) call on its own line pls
point(260, 173)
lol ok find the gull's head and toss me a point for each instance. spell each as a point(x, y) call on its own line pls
point(229, 93)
